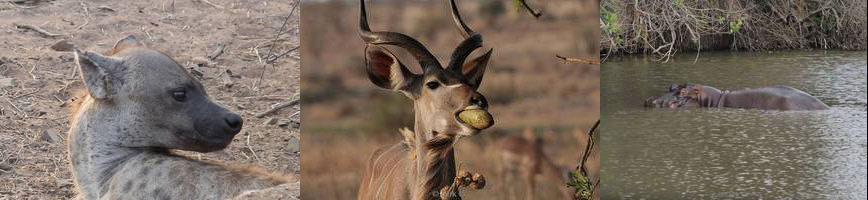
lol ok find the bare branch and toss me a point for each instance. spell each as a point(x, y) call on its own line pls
point(536, 14)
point(577, 60)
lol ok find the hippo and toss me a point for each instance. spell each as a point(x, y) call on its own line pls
point(674, 98)
point(766, 98)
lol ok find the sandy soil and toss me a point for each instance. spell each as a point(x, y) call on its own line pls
point(35, 81)
point(347, 117)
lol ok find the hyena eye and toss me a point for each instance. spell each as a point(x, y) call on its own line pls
point(180, 96)
point(433, 85)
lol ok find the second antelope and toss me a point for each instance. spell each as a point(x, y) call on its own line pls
point(524, 154)
point(423, 165)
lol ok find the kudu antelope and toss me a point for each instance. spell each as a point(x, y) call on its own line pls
point(138, 104)
point(524, 154)
point(424, 163)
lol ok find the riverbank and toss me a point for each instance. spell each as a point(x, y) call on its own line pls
point(665, 28)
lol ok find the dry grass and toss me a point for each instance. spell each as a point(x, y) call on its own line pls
point(189, 31)
point(347, 117)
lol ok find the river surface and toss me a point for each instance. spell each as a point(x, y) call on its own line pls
point(735, 153)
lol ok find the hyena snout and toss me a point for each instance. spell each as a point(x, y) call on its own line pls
point(215, 128)
point(233, 121)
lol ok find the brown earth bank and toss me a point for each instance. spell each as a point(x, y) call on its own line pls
point(666, 27)
point(346, 117)
point(242, 51)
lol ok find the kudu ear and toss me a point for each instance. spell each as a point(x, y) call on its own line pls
point(385, 70)
point(475, 68)
point(127, 42)
point(96, 73)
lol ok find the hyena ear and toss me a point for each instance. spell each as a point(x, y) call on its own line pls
point(98, 73)
point(475, 68)
point(128, 42)
point(385, 70)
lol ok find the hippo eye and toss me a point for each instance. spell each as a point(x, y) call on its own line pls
point(180, 96)
point(432, 85)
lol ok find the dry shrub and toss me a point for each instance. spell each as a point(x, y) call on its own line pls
point(666, 27)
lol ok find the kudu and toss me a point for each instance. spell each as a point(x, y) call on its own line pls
point(524, 154)
point(138, 104)
point(424, 163)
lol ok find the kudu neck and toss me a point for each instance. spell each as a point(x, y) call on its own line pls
point(435, 157)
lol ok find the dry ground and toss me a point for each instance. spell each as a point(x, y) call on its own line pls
point(347, 117)
point(33, 166)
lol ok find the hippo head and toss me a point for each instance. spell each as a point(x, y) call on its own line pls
point(676, 97)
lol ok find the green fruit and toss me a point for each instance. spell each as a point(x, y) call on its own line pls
point(478, 119)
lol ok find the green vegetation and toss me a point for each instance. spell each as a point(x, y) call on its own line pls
point(735, 26)
point(580, 184)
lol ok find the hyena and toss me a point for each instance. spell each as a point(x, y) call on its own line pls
point(138, 104)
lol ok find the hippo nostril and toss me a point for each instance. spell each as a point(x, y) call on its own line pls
point(233, 120)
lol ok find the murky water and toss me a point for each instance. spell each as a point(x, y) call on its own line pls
point(734, 153)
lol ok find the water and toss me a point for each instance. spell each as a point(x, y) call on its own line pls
point(735, 153)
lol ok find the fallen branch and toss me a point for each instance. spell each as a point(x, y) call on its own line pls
point(37, 30)
point(272, 60)
point(217, 52)
point(212, 4)
point(277, 107)
point(577, 60)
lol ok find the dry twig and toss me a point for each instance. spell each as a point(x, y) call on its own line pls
point(577, 60)
point(536, 14)
point(37, 30)
point(213, 4)
point(278, 107)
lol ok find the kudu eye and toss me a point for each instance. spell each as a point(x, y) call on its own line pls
point(433, 85)
point(180, 96)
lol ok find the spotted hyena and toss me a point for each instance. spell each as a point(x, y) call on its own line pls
point(138, 103)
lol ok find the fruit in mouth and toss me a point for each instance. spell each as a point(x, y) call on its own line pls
point(476, 118)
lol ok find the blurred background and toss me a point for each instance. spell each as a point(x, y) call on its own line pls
point(346, 117)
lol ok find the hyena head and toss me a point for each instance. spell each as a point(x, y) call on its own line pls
point(143, 98)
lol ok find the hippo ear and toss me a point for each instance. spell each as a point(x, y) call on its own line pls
point(127, 42)
point(98, 73)
point(674, 87)
point(696, 90)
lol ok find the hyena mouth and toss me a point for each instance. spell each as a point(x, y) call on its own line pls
point(206, 143)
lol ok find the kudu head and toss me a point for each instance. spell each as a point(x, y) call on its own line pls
point(439, 93)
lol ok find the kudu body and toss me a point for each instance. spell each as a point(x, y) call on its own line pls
point(138, 104)
point(423, 164)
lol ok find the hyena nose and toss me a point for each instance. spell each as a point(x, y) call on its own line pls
point(233, 120)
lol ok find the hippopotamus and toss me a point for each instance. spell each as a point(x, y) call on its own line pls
point(767, 98)
point(675, 98)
